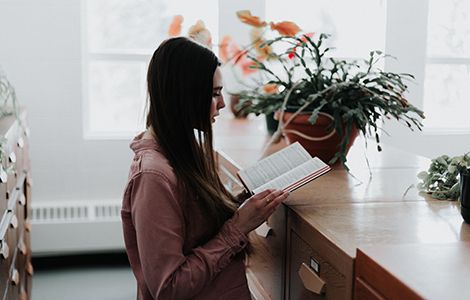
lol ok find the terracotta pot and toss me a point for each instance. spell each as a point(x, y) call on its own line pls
point(324, 149)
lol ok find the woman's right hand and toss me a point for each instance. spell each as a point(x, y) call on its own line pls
point(257, 209)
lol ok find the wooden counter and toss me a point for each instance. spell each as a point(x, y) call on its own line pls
point(321, 225)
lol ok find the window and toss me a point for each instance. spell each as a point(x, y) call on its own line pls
point(119, 39)
point(348, 22)
point(447, 73)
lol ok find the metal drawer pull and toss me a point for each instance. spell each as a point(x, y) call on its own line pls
point(5, 251)
point(14, 222)
point(311, 280)
point(30, 269)
point(263, 230)
point(15, 277)
point(12, 157)
point(20, 142)
point(23, 249)
point(22, 199)
point(27, 225)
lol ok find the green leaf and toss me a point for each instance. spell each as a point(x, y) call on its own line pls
point(422, 175)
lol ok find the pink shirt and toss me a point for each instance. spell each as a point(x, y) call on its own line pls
point(161, 235)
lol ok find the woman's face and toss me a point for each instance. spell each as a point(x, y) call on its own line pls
point(217, 98)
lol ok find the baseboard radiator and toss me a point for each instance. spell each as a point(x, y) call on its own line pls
point(76, 227)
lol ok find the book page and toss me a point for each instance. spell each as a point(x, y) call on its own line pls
point(297, 177)
point(274, 166)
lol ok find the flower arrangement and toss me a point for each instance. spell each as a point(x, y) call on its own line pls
point(354, 93)
point(441, 180)
point(237, 58)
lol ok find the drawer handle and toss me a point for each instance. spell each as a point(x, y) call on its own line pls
point(23, 249)
point(12, 157)
point(5, 251)
point(30, 269)
point(15, 277)
point(263, 230)
point(27, 225)
point(20, 142)
point(22, 199)
point(14, 222)
point(3, 175)
point(311, 280)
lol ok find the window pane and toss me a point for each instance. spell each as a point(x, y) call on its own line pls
point(119, 31)
point(356, 27)
point(140, 25)
point(449, 28)
point(446, 91)
point(116, 96)
point(125, 25)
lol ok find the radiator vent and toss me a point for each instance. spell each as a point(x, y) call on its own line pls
point(79, 212)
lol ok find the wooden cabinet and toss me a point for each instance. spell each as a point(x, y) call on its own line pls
point(15, 198)
point(266, 266)
point(310, 251)
point(413, 271)
point(317, 269)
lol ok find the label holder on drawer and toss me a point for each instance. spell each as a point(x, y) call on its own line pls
point(314, 265)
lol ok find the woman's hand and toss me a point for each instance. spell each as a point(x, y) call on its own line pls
point(257, 209)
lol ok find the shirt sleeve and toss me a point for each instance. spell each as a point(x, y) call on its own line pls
point(160, 233)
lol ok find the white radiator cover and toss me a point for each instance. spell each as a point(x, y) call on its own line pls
point(78, 227)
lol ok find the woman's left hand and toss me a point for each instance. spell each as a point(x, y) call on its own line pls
point(257, 209)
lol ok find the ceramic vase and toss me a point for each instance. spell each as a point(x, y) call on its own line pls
point(465, 196)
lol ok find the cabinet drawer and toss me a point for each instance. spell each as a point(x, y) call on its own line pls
point(3, 198)
point(330, 282)
point(5, 258)
point(266, 266)
point(317, 268)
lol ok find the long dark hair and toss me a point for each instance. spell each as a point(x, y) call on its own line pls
point(180, 89)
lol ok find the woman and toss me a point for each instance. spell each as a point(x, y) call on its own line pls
point(184, 235)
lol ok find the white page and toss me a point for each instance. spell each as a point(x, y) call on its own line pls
point(274, 165)
point(310, 167)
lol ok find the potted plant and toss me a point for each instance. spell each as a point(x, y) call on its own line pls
point(355, 96)
point(448, 178)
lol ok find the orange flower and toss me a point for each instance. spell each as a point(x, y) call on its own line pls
point(285, 28)
point(265, 51)
point(310, 35)
point(271, 88)
point(244, 63)
point(246, 17)
point(223, 48)
point(175, 26)
point(256, 37)
point(199, 33)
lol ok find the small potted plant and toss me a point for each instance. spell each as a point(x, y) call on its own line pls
point(448, 178)
point(354, 96)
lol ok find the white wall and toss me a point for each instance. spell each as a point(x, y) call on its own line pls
point(40, 52)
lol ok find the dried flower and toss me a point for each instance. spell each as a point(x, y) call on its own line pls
point(285, 28)
point(175, 26)
point(246, 17)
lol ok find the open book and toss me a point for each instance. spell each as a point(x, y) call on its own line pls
point(287, 169)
